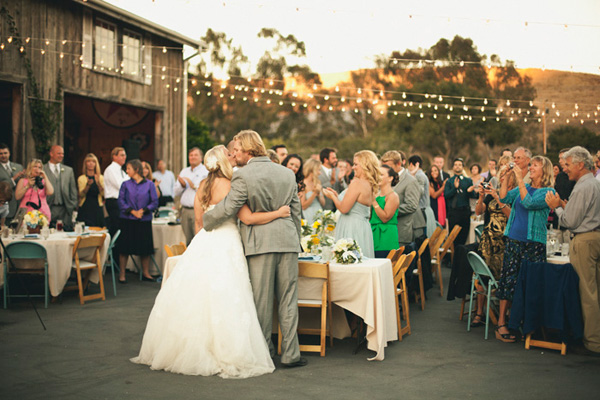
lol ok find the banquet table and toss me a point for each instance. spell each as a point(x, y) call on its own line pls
point(558, 259)
point(162, 233)
point(365, 289)
point(59, 249)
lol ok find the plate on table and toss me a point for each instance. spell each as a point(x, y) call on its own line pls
point(32, 236)
point(74, 234)
point(309, 258)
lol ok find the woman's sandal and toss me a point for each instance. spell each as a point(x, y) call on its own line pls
point(476, 324)
point(505, 337)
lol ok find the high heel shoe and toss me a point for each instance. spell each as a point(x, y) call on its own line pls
point(478, 323)
point(505, 337)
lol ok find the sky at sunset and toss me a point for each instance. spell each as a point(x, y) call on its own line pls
point(346, 35)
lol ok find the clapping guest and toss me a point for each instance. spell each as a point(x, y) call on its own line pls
point(148, 175)
point(436, 194)
point(525, 230)
point(458, 191)
point(355, 202)
point(384, 215)
point(91, 192)
point(346, 174)
point(137, 201)
point(64, 199)
point(312, 198)
point(166, 183)
point(188, 182)
point(477, 178)
point(33, 190)
point(294, 162)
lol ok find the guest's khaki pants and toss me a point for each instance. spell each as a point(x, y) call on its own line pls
point(188, 223)
point(585, 257)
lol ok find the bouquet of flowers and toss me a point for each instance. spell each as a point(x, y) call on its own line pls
point(306, 229)
point(347, 251)
point(35, 219)
point(310, 243)
point(324, 222)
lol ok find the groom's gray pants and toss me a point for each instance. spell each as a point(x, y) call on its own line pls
point(277, 273)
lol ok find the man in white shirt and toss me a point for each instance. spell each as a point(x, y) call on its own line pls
point(166, 183)
point(188, 182)
point(10, 172)
point(114, 176)
point(64, 199)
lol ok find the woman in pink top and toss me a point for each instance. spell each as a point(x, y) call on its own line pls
point(33, 189)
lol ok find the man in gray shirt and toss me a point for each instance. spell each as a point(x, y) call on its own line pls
point(581, 215)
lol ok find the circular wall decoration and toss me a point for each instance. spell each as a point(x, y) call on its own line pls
point(119, 116)
point(143, 138)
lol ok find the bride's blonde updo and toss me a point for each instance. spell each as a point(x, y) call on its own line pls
point(218, 166)
point(370, 165)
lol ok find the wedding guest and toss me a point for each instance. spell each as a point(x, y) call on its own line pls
point(166, 183)
point(273, 156)
point(91, 192)
point(507, 152)
point(5, 197)
point(10, 172)
point(581, 215)
point(329, 175)
point(294, 162)
point(149, 176)
point(522, 157)
point(65, 197)
point(113, 179)
point(188, 182)
point(525, 229)
point(563, 186)
point(421, 225)
point(281, 151)
point(408, 193)
point(492, 243)
point(345, 174)
point(137, 201)
point(477, 178)
point(436, 194)
point(355, 203)
point(597, 165)
point(384, 214)
point(312, 198)
point(556, 170)
point(491, 172)
point(32, 191)
point(458, 192)
point(439, 162)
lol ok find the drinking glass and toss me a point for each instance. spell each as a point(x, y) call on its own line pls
point(59, 225)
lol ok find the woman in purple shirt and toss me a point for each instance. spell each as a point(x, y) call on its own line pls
point(137, 202)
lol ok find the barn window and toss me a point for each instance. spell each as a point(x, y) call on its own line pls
point(132, 55)
point(105, 46)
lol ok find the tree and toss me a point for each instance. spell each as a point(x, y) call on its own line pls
point(568, 136)
point(198, 134)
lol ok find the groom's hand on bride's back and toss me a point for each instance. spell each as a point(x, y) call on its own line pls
point(284, 211)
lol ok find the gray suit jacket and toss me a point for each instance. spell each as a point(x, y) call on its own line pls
point(408, 192)
point(67, 186)
point(264, 186)
point(419, 219)
point(5, 177)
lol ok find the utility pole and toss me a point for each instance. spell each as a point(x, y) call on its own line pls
point(544, 136)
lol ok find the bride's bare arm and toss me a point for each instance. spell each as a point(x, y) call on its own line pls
point(261, 218)
point(198, 210)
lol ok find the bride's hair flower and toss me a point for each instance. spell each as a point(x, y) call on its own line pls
point(211, 163)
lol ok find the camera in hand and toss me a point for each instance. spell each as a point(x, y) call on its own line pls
point(485, 185)
point(511, 165)
point(38, 182)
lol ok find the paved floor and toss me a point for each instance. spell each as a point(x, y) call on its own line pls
point(85, 354)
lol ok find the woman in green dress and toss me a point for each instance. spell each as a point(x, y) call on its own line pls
point(384, 214)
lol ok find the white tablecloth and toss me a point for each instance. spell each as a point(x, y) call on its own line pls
point(472, 238)
point(365, 289)
point(59, 248)
point(162, 234)
point(559, 260)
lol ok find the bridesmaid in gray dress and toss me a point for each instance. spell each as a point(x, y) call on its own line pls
point(355, 202)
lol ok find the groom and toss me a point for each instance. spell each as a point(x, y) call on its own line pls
point(271, 249)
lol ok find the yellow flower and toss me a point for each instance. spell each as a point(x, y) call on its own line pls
point(302, 222)
point(316, 224)
point(315, 240)
point(330, 228)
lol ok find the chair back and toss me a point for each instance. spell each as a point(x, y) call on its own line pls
point(84, 242)
point(113, 241)
point(26, 255)
point(308, 269)
point(479, 232)
point(423, 247)
point(449, 241)
point(480, 269)
point(402, 265)
point(436, 233)
point(176, 249)
point(96, 228)
point(436, 242)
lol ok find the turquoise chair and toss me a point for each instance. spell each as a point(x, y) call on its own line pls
point(110, 262)
point(164, 213)
point(480, 269)
point(479, 232)
point(18, 253)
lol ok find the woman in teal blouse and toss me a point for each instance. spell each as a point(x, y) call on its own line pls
point(525, 231)
point(384, 214)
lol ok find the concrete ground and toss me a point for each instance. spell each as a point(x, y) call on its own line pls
point(85, 351)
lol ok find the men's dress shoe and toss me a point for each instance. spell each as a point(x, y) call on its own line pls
point(300, 363)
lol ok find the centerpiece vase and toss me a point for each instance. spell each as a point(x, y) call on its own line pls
point(37, 229)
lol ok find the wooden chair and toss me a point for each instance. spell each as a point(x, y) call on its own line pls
point(419, 273)
point(436, 240)
point(316, 271)
point(395, 254)
point(399, 270)
point(27, 258)
point(436, 263)
point(94, 243)
point(96, 228)
point(176, 249)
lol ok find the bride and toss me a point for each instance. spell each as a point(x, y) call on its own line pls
point(204, 320)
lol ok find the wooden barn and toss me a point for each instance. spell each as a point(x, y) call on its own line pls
point(105, 77)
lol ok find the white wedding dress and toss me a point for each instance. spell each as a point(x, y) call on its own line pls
point(204, 320)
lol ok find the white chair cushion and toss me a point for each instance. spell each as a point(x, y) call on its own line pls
point(83, 264)
point(312, 302)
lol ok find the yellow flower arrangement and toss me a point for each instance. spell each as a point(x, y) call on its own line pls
point(35, 219)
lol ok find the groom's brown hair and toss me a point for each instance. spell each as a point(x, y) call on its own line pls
point(251, 143)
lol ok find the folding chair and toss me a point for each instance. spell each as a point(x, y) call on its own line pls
point(94, 243)
point(315, 271)
point(28, 258)
point(436, 263)
point(480, 269)
point(399, 270)
point(478, 232)
point(175, 250)
point(110, 261)
point(140, 268)
point(395, 254)
point(419, 273)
